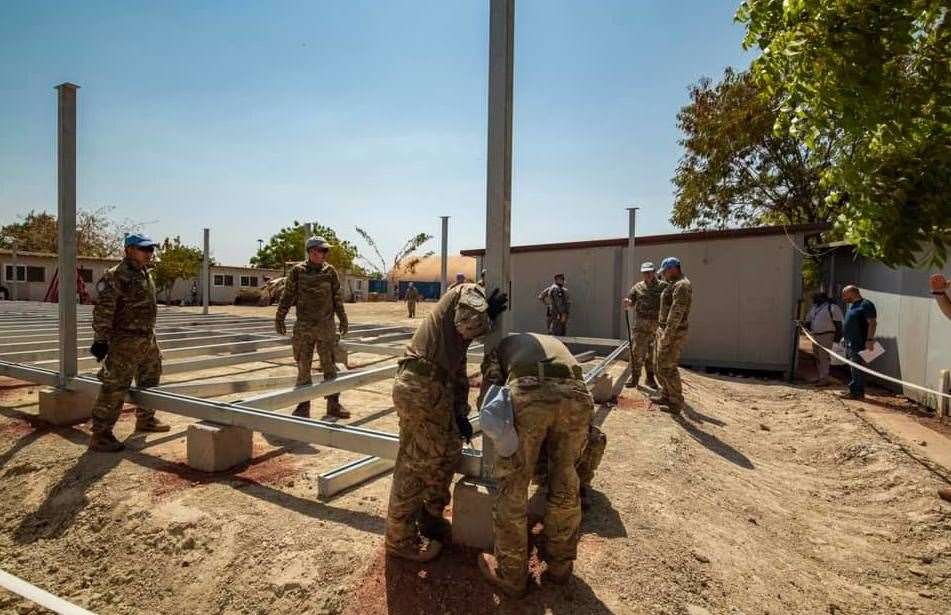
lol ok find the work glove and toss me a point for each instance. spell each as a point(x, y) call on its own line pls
point(280, 326)
point(465, 427)
point(497, 301)
point(99, 349)
point(343, 327)
point(938, 284)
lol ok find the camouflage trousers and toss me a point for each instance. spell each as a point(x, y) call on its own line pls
point(587, 464)
point(592, 454)
point(430, 451)
point(307, 337)
point(668, 376)
point(556, 412)
point(411, 309)
point(643, 334)
point(130, 357)
point(557, 326)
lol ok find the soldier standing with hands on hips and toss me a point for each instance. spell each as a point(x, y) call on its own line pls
point(124, 325)
point(313, 286)
point(557, 304)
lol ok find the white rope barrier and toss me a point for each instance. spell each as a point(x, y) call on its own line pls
point(43, 598)
point(872, 371)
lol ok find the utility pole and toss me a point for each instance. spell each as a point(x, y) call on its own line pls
point(206, 273)
point(66, 230)
point(498, 223)
point(444, 265)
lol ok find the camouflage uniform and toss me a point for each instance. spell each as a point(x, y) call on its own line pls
point(558, 304)
point(315, 291)
point(671, 337)
point(552, 408)
point(124, 317)
point(412, 296)
point(592, 454)
point(431, 388)
point(645, 299)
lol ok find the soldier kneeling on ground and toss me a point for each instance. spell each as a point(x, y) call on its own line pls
point(552, 408)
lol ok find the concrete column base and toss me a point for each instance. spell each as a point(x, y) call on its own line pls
point(214, 448)
point(63, 407)
point(472, 503)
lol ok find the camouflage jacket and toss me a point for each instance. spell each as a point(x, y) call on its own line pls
point(645, 298)
point(412, 295)
point(557, 299)
point(315, 290)
point(125, 303)
point(675, 304)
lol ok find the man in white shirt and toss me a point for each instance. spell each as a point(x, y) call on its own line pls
point(825, 323)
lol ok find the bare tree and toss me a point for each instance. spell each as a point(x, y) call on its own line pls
point(406, 258)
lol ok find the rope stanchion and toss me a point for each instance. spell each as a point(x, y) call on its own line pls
point(872, 372)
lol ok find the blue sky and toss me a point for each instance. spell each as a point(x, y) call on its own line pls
point(243, 116)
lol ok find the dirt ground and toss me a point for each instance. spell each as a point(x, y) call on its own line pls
point(766, 498)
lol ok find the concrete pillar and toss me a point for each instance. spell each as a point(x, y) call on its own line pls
point(63, 407)
point(66, 229)
point(472, 500)
point(206, 273)
point(498, 224)
point(211, 447)
point(444, 248)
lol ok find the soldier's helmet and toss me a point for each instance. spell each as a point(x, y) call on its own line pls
point(472, 318)
point(317, 242)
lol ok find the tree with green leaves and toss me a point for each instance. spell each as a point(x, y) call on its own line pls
point(97, 234)
point(875, 75)
point(287, 245)
point(735, 171)
point(176, 261)
point(405, 260)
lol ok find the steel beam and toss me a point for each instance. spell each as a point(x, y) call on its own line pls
point(66, 230)
point(284, 399)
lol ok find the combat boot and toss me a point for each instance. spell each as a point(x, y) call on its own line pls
point(435, 528)
point(302, 410)
point(105, 442)
point(558, 573)
point(422, 551)
point(651, 383)
point(489, 567)
point(631, 383)
point(335, 409)
point(658, 398)
point(151, 424)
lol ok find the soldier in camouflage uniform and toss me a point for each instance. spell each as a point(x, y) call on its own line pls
point(124, 325)
point(431, 395)
point(313, 286)
point(412, 296)
point(672, 334)
point(552, 407)
point(645, 299)
point(557, 306)
point(587, 465)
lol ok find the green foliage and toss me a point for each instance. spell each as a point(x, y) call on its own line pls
point(176, 261)
point(287, 245)
point(97, 234)
point(735, 170)
point(406, 259)
point(876, 76)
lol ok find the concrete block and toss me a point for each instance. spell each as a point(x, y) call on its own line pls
point(63, 407)
point(213, 448)
point(472, 514)
point(602, 389)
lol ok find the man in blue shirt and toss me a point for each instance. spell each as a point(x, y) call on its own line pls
point(859, 333)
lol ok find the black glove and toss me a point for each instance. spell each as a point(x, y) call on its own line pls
point(99, 349)
point(465, 427)
point(497, 301)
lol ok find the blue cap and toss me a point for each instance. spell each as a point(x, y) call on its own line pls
point(139, 241)
point(669, 263)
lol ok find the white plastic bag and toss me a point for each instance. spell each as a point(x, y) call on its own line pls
point(497, 420)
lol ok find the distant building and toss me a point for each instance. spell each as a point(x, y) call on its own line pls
point(28, 277)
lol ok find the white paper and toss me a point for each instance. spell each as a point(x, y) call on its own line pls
point(838, 349)
point(870, 355)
